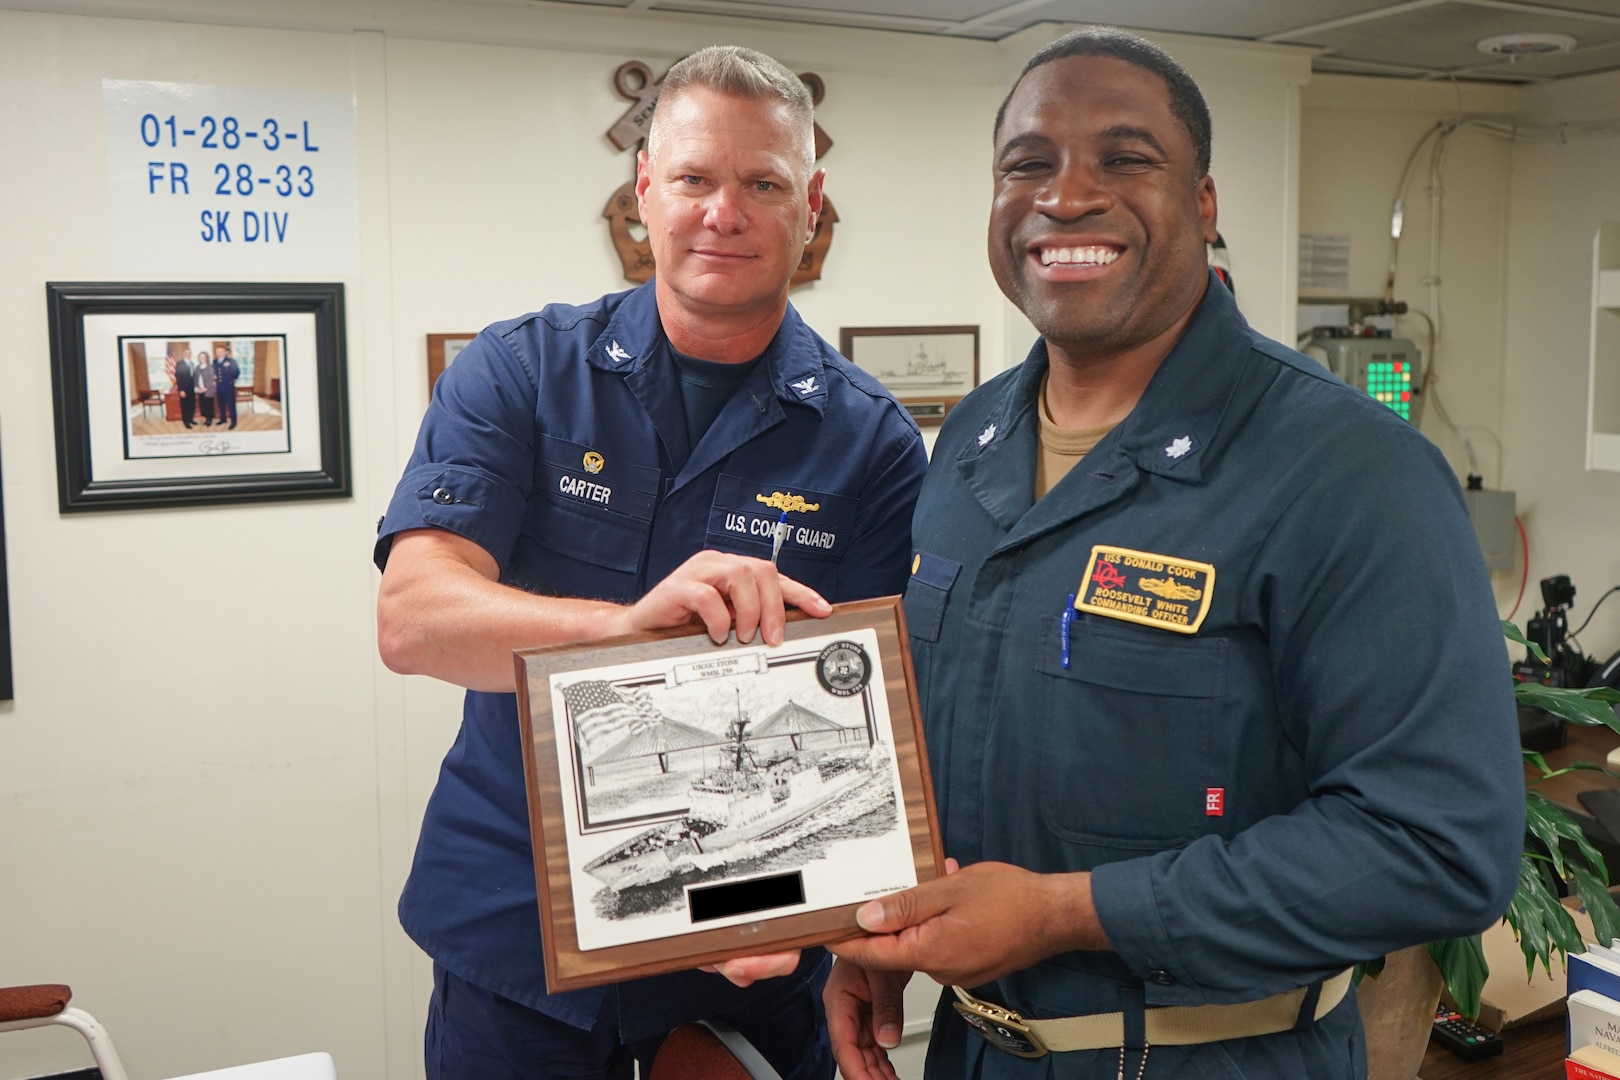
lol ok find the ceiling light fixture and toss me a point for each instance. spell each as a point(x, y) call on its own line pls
point(1514, 46)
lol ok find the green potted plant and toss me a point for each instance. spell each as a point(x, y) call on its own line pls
point(1555, 852)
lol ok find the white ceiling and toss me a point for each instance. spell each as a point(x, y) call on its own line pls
point(1425, 39)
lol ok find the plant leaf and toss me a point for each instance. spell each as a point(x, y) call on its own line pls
point(1590, 706)
point(1544, 820)
point(1512, 633)
point(1576, 766)
point(1599, 904)
point(1588, 856)
point(1542, 924)
point(1462, 965)
point(1370, 969)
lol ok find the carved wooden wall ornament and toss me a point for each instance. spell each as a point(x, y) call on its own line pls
point(634, 82)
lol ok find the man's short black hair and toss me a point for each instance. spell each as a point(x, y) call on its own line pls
point(1186, 100)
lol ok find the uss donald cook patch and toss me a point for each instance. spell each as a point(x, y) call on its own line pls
point(1141, 587)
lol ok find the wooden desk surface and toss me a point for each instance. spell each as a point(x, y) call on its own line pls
point(1585, 744)
point(1532, 1052)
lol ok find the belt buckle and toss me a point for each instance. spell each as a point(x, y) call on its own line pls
point(1002, 1028)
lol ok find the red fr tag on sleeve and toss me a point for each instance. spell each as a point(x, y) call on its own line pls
point(1214, 802)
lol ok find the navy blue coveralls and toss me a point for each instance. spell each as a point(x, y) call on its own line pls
point(558, 443)
point(1327, 769)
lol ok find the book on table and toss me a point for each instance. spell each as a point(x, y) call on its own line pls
point(1592, 1062)
point(1594, 1020)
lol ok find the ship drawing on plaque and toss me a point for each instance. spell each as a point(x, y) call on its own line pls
point(762, 762)
point(750, 803)
point(923, 369)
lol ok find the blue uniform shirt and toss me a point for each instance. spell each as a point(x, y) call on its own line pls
point(1326, 769)
point(558, 443)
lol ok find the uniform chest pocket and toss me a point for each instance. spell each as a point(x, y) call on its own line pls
point(594, 515)
point(927, 592)
point(1128, 758)
point(745, 513)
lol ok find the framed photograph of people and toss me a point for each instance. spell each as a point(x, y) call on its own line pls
point(442, 351)
point(186, 394)
point(929, 368)
point(692, 802)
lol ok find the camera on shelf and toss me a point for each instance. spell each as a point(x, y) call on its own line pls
point(1549, 628)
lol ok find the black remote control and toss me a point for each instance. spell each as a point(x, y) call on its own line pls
point(1463, 1037)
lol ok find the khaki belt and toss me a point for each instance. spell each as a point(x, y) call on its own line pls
point(1174, 1025)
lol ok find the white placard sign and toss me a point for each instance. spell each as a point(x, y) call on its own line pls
point(208, 180)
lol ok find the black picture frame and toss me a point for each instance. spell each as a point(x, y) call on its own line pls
point(6, 686)
point(319, 464)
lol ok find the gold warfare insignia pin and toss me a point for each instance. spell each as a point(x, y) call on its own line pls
point(1154, 590)
point(776, 500)
point(593, 462)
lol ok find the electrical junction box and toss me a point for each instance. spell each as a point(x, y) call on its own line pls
point(1386, 369)
point(1491, 513)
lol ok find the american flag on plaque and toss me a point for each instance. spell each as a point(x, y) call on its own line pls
point(604, 715)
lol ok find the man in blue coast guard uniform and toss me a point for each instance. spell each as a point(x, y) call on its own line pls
point(590, 471)
point(1215, 696)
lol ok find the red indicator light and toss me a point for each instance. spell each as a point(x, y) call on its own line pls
point(1406, 395)
point(1397, 367)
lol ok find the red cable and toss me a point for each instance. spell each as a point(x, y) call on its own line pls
point(1524, 542)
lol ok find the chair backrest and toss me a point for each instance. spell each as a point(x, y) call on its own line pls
point(23, 1007)
point(33, 1002)
point(39, 1006)
point(709, 1050)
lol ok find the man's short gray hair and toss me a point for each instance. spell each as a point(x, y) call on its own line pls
point(744, 73)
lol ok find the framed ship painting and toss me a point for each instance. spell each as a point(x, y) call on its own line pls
point(928, 368)
point(442, 350)
point(692, 802)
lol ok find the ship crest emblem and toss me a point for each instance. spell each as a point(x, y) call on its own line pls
point(843, 669)
point(593, 462)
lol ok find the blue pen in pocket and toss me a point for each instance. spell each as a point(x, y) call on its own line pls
point(1063, 629)
point(778, 534)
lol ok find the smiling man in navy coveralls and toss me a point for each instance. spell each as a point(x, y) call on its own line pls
point(591, 471)
point(1216, 700)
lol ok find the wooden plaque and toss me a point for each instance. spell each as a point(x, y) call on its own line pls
point(691, 803)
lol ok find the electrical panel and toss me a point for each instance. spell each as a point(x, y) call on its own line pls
point(1491, 513)
point(1386, 369)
